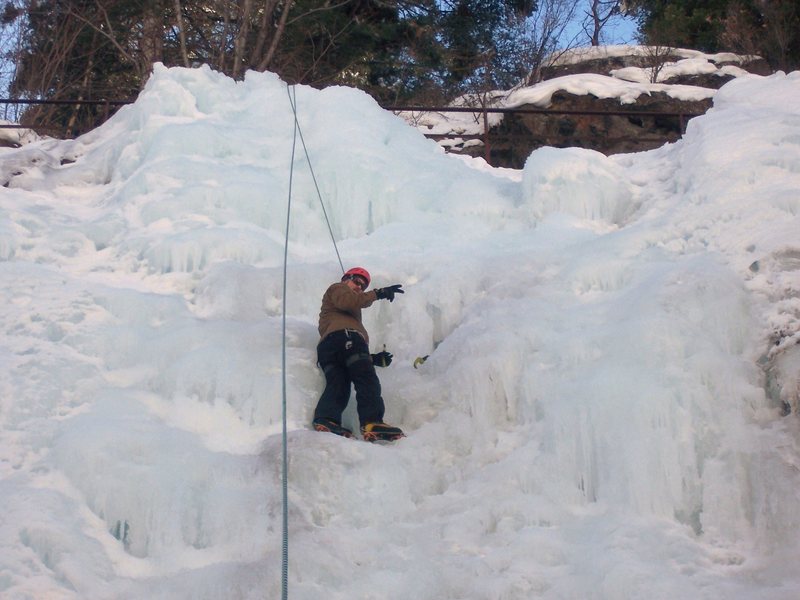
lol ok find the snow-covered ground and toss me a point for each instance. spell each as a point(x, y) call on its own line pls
point(592, 422)
point(13, 136)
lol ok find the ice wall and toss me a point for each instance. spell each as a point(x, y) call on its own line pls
point(591, 421)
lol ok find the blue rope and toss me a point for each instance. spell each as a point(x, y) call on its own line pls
point(314, 178)
point(285, 465)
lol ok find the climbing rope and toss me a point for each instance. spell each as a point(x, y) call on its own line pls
point(285, 462)
point(293, 102)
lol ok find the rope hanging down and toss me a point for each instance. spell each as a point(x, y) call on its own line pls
point(285, 462)
point(285, 453)
point(293, 102)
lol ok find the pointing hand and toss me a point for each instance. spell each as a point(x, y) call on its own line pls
point(388, 293)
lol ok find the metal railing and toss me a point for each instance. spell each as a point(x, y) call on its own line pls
point(107, 104)
point(487, 135)
point(481, 114)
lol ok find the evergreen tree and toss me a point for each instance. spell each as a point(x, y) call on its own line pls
point(769, 28)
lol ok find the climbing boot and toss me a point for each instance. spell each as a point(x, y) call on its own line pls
point(331, 426)
point(377, 432)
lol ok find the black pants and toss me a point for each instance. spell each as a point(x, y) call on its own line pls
point(344, 358)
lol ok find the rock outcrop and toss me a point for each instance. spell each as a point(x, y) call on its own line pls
point(619, 110)
point(585, 121)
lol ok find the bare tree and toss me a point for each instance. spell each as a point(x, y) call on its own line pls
point(10, 48)
point(231, 35)
point(280, 28)
point(597, 15)
point(657, 56)
point(180, 28)
point(140, 52)
point(546, 35)
point(658, 46)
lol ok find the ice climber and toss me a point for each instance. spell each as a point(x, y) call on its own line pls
point(343, 355)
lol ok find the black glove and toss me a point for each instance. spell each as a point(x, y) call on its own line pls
point(389, 292)
point(382, 359)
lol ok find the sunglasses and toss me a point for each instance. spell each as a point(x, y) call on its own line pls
point(359, 281)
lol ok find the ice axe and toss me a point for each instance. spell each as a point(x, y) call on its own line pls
point(420, 360)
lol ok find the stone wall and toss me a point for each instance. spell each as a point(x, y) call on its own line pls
point(579, 125)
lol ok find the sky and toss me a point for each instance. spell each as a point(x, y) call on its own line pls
point(612, 349)
point(619, 29)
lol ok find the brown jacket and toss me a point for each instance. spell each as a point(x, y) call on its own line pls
point(341, 309)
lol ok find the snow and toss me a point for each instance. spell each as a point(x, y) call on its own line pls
point(600, 86)
point(625, 85)
point(585, 53)
point(611, 342)
point(13, 135)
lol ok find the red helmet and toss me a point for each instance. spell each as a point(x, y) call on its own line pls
point(359, 272)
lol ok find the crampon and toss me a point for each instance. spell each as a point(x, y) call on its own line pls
point(331, 426)
point(381, 432)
